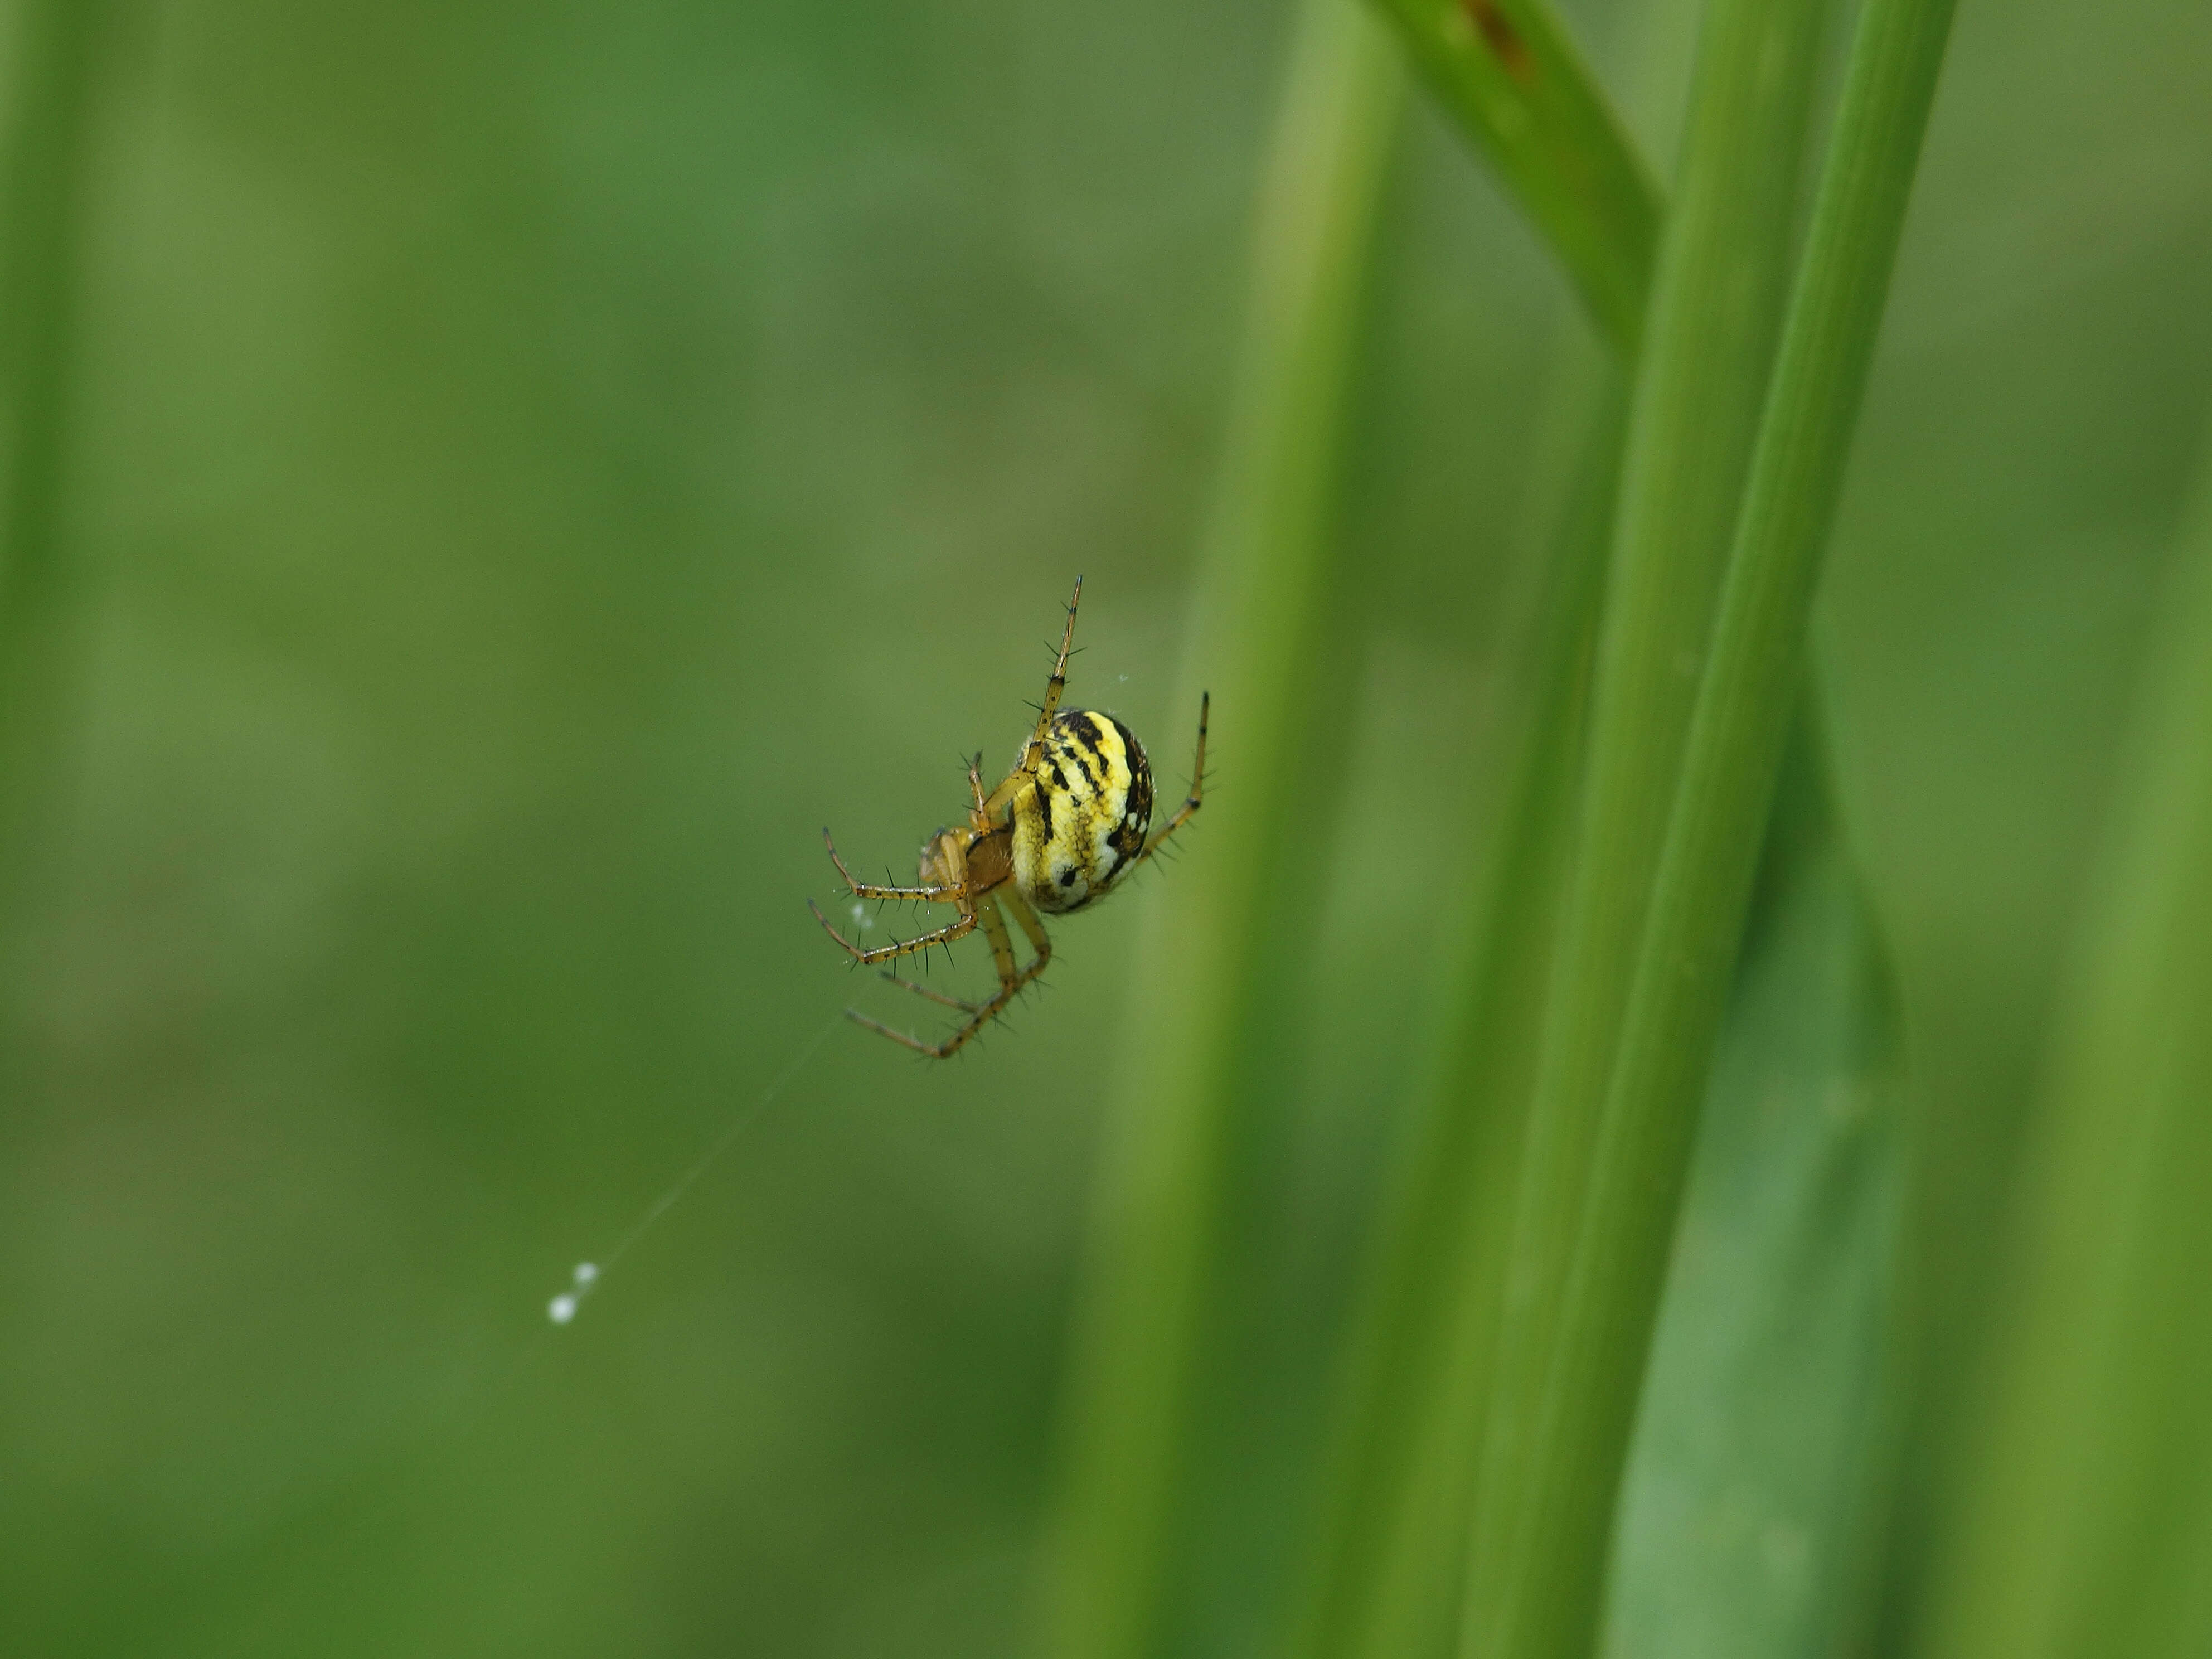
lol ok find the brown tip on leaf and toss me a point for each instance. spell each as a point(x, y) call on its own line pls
point(1504, 40)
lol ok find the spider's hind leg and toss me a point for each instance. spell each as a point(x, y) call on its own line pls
point(1184, 813)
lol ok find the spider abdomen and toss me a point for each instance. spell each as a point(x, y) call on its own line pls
point(1082, 820)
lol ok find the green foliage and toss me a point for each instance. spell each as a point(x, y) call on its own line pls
point(56, 48)
point(1390, 1573)
point(1762, 1434)
point(485, 484)
point(1511, 74)
point(2086, 1528)
point(1193, 1074)
point(1558, 1419)
point(1756, 662)
point(1392, 1561)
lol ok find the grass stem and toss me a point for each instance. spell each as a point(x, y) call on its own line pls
point(1715, 315)
point(55, 57)
point(1512, 76)
point(1177, 1101)
point(2086, 1528)
point(1685, 955)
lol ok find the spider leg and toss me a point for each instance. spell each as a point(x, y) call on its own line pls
point(904, 1038)
point(1011, 978)
point(1183, 813)
point(1002, 946)
point(1033, 927)
point(869, 890)
point(922, 990)
point(958, 927)
point(975, 791)
point(1032, 754)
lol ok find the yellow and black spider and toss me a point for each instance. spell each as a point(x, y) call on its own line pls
point(1063, 829)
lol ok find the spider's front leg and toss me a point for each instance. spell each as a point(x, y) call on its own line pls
point(871, 890)
point(981, 818)
point(960, 927)
point(938, 997)
point(1032, 753)
point(1013, 979)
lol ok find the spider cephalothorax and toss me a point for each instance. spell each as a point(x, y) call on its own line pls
point(1063, 829)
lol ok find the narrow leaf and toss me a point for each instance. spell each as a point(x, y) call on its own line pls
point(1141, 1344)
point(53, 64)
point(1753, 670)
point(1510, 73)
point(1760, 1436)
point(1541, 1537)
point(1388, 1578)
point(2088, 1528)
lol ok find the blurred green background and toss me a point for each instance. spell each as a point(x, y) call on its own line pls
point(527, 468)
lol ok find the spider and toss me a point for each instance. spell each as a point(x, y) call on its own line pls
point(1063, 829)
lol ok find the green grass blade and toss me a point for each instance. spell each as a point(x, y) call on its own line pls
point(1387, 1571)
point(41, 197)
point(54, 58)
point(1762, 1433)
point(2088, 1528)
point(1392, 1557)
point(1266, 577)
point(1752, 672)
point(1509, 71)
point(1715, 316)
